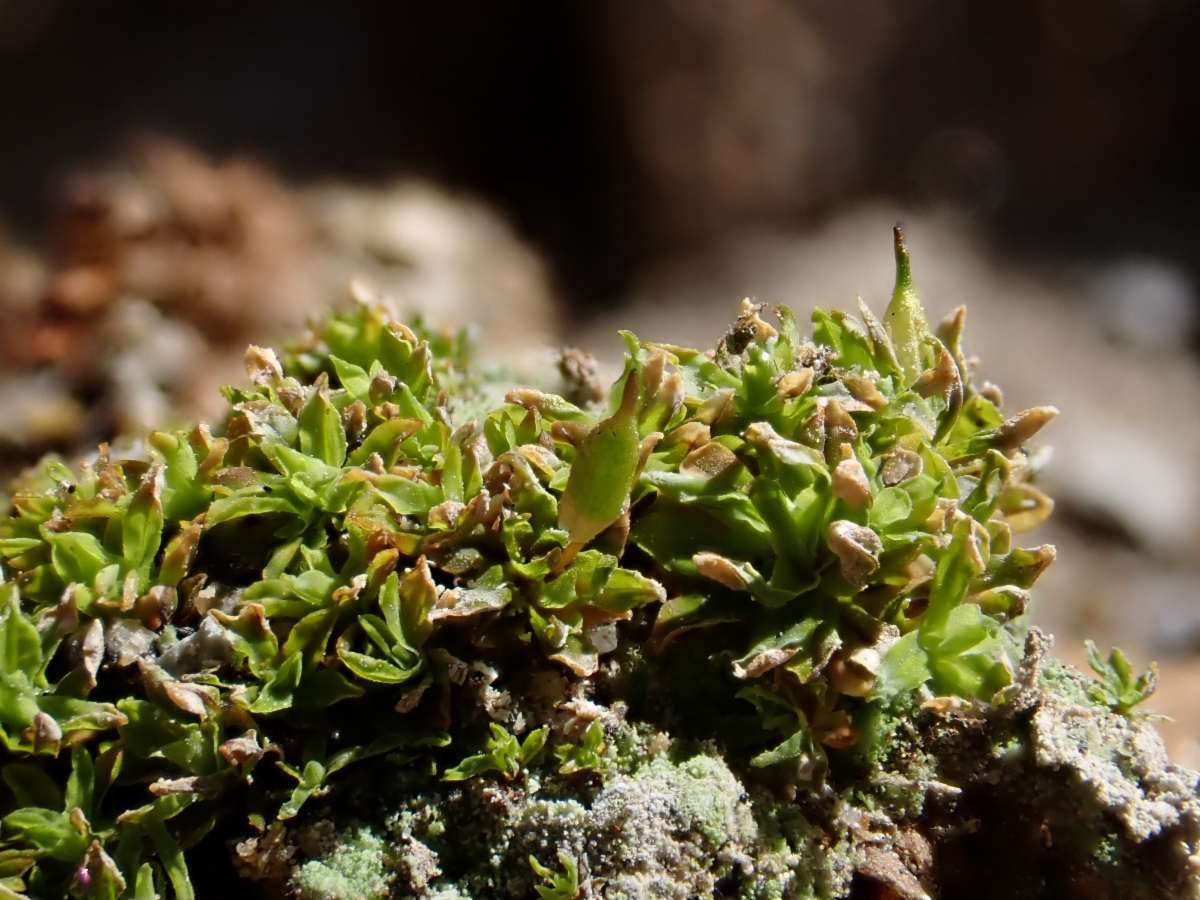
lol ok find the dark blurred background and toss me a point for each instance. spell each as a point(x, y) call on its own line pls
point(177, 180)
point(614, 133)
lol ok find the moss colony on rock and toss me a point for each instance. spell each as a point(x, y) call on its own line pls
point(742, 627)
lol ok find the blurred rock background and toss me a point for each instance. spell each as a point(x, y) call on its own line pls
point(167, 264)
point(177, 181)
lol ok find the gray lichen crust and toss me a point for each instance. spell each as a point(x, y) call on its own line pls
point(1086, 796)
point(1120, 763)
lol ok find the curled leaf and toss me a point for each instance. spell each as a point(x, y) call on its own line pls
point(857, 549)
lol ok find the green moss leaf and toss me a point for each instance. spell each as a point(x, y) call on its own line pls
point(353, 378)
point(374, 669)
point(32, 786)
point(78, 557)
point(171, 856)
point(322, 434)
point(559, 885)
point(142, 526)
point(905, 668)
point(311, 781)
point(603, 471)
point(278, 693)
point(48, 830)
point(584, 756)
point(20, 643)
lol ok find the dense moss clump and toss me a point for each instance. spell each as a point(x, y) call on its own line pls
point(377, 565)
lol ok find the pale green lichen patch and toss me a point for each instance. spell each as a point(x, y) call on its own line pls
point(669, 829)
point(355, 869)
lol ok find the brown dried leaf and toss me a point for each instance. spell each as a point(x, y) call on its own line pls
point(854, 674)
point(571, 433)
point(857, 548)
point(98, 865)
point(242, 749)
point(262, 365)
point(195, 699)
point(720, 570)
point(91, 650)
point(900, 465)
point(192, 784)
point(128, 640)
point(708, 460)
point(652, 376)
point(764, 662)
point(850, 480)
point(446, 513)
point(1023, 426)
point(462, 603)
point(691, 434)
point(839, 429)
point(864, 390)
point(409, 701)
point(1023, 507)
point(716, 409)
point(790, 453)
point(156, 606)
point(793, 384)
point(938, 379)
point(354, 419)
point(64, 615)
point(45, 733)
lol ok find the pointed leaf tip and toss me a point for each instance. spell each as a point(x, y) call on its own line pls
point(629, 397)
point(903, 265)
point(905, 318)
